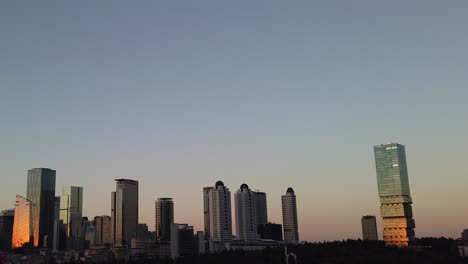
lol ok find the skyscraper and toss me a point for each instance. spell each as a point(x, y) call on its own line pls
point(6, 228)
point(220, 213)
point(206, 210)
point(103, 230)
point(125, 211)
point(394, 192)
point(261, 207)
point(290, 226)
point(164, 218)
point(21, 223)
point(369, 228)
point(71, 211)
point(246, 214)
point(41, 194)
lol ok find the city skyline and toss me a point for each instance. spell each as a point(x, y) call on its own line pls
point(180, 95)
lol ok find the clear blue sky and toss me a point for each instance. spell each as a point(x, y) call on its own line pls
point(179, 94)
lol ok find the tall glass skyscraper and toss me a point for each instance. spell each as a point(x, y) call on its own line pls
point(290, 226)
point(71, 210)
point(261, 207)
point(125, 211)
point(41, 194)
point(395, 200)
point(164, 218)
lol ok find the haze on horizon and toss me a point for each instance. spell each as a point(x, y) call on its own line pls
point(178, 95)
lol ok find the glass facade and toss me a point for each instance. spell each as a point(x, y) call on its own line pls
point(290, 225)
point(71, 210)
point(126, 211)
point(394, 192)
point(261, 206)
point(164, 218)
point(22, 222)
point(41, 194)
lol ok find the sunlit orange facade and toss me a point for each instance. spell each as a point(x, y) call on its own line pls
point(21, 224)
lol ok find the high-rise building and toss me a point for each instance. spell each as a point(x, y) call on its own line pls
point(41, 194)
point(395, 199)
point(206, 210)
point(21, 223)
point(126, 212)
point(6, 228)
point(164, 218)
point(369, 228)
point(103, 230)
point(246, 214)
point(290, 226)
point(220, 213)
point(71, 211)
point(261, 207)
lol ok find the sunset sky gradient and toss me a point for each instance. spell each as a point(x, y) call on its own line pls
point(275, 94)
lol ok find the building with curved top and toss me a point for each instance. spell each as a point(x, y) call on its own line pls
point(246, 214)
point(220, 218)
point(290, 225)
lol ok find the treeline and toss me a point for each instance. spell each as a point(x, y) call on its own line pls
point(425, 250)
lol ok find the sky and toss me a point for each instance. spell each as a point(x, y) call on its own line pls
point(275, 94)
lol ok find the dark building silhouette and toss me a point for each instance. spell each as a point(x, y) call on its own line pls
point(6, 229)
point(270, 231)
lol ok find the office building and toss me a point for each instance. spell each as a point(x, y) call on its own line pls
point(290, 225)
point(103, 230)
point(270, 231)
point(125, 210)
point(395, 199)
point(41, 194)
point(220, 213)
point(164, 218)
point(261, 207)
point(183, 241)
point(369, 228)
point(246, 214)
point(71, 211)
point(6, 228)
point(206, 210)
point(21, 223)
